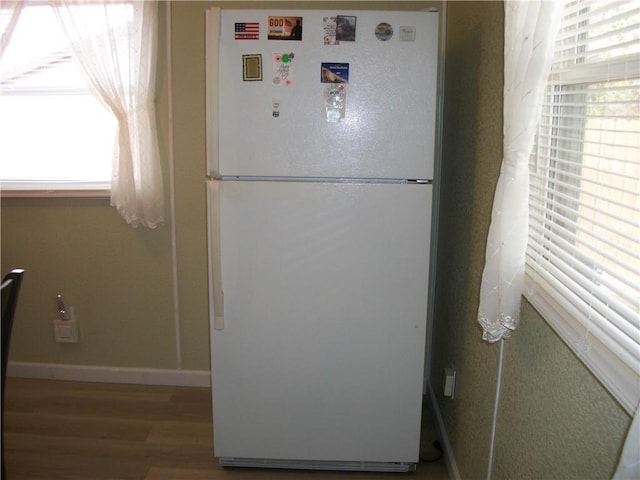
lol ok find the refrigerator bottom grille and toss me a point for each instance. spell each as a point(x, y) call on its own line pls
point(317, 465)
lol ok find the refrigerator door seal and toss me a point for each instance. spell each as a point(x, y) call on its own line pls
point(318, 465)
point(244, 178)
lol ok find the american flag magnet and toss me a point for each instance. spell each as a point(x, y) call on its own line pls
point(247, 31)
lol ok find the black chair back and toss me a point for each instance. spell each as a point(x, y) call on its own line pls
point(10, 290)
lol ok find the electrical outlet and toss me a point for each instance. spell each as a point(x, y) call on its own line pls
point(65, 329)
point(449, 382)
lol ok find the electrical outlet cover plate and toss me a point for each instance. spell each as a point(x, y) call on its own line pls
point(65, 331)
point(449, 383)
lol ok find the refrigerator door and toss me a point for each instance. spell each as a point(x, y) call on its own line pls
point(264, 129)
point(320, 353)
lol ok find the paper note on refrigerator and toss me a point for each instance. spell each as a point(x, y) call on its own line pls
point(283, 69)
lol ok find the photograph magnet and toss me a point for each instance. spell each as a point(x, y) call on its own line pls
point(345, 28)
point(334, 73)
point(285, 28)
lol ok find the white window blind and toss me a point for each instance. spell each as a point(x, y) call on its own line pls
point(583, 257)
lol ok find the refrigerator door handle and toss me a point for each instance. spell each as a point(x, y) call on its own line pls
point(211, 52)
point(215, 259)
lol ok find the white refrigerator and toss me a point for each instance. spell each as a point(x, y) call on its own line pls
point(321, 139)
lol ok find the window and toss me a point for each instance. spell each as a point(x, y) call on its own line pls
point(583, 257)
point(55, 135)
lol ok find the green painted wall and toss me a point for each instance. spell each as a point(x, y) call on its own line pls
point(472, 149)
point(555, 420)
point(116, 278)
point(557, 417)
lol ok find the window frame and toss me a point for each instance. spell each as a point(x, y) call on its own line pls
point(46, 188)
point(593, 344)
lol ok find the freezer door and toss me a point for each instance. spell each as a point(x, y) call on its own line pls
point(321, 352)
point(266, 128)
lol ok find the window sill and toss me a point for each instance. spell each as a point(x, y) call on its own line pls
point(54, 189)
point(55, 193)
point(620, 380)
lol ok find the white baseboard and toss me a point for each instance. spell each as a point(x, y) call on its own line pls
point(88, 373)
point(449, 458)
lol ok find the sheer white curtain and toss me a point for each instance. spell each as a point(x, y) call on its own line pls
point(118, 53)
point(629, 463)
point(530, 31)
point(8, 18)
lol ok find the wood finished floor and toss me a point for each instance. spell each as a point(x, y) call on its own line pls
point(86, 431)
